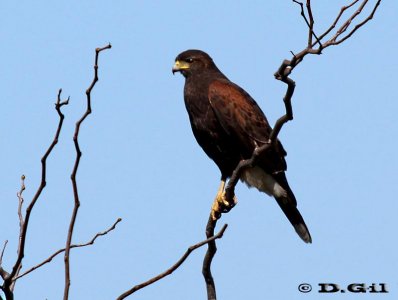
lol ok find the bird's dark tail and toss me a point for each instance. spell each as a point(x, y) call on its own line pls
point(288, 204)
point(294, 216)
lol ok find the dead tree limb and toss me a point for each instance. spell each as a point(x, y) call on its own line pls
point(9, 278)
point(74, 172)
point(175, 266)
point(20, 201)
point(50, 258)
point(211, 251)
point(287, 67)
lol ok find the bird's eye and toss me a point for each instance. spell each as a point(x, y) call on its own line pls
point(189, 60)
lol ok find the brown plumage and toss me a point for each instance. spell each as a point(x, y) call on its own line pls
point(228, 124)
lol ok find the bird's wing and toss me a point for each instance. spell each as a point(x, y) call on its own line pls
point(243, 120)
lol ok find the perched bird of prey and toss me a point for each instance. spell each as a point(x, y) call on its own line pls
point(229, 125)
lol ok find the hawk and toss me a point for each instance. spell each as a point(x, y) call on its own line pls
point(229, 125)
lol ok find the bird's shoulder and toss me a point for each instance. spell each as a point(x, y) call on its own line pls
point(236, 109)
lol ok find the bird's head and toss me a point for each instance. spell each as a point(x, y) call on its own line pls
point(192, 62)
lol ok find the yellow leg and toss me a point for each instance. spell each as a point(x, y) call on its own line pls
point(220, 203)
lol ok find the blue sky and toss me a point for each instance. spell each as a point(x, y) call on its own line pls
point(141, 163)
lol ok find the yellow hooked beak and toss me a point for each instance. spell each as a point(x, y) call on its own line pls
point(179, 66)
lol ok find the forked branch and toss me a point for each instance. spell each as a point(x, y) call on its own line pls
point(175, 266)
point(341, 34)
point(10, 278)
point(89, 243)
point(287, 67)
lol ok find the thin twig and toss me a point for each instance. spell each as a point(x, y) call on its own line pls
point(20, 202)
point(175, 266)
point(50, 258)
point(359, 25)
point(9, 280)
point(342, 10)
point(334, 40)
point(74, 172)
point(348, 22)
point(310, 22)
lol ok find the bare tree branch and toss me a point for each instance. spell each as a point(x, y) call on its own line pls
point(284, 71)
point(9, 281)
point(342, 10)
point(21, 222)
point(347, 23)
point(208, 259)
point(20, 201)
point(74, 172)
point(359, 25)
point(50, 258)
point(310, 22)
point(175, 266)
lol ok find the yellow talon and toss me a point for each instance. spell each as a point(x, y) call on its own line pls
point(220, 203)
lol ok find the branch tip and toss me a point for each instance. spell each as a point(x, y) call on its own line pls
point(50, 258)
